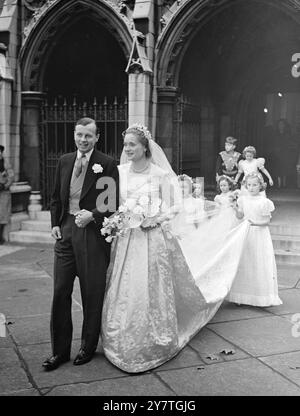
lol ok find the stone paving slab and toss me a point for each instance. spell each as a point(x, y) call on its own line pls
point(288, 277)
point(246, 377)
point(27, 255)
point(5, 342)
point(22, 306)
point(291, 302)
point(16, 272)
point(231, 312)
point(293, 318)
point(286, 364)
point(47, 267)
point(142, 385)
point(36, 329)
point(13, 379)
point(207, 343)
point(25, 288)
point(97, 369)
point(27, 392)
point(186, 358)
point(8, 357)
point(7, 250)
point(260, 336)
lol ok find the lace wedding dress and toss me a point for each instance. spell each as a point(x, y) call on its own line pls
point(161, 289)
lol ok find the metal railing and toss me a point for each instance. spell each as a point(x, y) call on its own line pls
point(57, 122)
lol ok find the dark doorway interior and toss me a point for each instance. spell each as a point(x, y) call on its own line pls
point(237, 71)
point(86, 62)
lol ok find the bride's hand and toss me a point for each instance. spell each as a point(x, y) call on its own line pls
point(83, 218)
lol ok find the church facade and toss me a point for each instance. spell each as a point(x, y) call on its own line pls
point(194, 71)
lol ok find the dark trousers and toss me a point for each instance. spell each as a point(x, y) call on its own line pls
point(81, 252)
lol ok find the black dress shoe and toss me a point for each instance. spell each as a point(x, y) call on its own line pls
point(54, 362)
point(83, 357)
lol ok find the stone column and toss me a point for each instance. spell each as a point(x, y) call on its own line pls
point(30, 161)
point(165, 132)
point(6, 81)
point(138, 97)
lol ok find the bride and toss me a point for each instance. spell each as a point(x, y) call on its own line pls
point(161, 288)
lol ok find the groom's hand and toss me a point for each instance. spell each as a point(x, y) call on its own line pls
point(56, 233)
point(83, 218)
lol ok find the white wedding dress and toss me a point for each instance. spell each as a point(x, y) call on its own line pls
point(161, 289)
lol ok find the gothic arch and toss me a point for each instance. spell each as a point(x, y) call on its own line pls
point(53, 22)
point(185, 24)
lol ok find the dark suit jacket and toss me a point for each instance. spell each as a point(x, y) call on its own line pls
point(59, 204)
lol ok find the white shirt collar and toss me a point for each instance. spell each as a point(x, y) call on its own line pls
point(87, 155)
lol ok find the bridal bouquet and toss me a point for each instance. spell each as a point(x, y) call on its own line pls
point(142, 212)
point(234, 197)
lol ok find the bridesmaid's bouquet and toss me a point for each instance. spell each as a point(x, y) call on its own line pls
point(234, 197)
point(142, 212)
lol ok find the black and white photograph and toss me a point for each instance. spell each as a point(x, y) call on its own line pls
point(149, 201)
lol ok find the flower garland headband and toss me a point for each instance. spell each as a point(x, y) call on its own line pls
point(227, 178)
point(185, 177)
point(143, 129)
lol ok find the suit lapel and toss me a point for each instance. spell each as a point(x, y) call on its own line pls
point(90, 175)
point(66, 179)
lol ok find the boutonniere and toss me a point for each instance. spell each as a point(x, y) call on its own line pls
point(97, 168)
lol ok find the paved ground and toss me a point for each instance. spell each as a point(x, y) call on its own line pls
point(262, 344)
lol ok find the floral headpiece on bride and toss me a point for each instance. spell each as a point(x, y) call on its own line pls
point(141, 128)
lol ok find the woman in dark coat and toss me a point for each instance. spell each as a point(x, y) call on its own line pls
point(6, 179)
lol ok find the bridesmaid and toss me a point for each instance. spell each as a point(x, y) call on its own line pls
point(251, 164)
point(256, 279)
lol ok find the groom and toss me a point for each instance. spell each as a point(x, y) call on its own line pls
point(80, 249)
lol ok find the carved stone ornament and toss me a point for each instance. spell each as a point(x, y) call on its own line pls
point(36, 8)
point(169, 9)
point(37, 13)
point(33, 4)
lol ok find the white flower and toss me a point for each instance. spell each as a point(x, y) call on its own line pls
point(109, 239)
point(105, 221)
point(130, 203)
point(138, 210)
point(144, 200)
point(123, 208)
point(154, 207)
point(97, 168)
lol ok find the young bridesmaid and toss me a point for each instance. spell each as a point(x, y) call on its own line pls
point(225, 200)
point(256, 279)
point(251, 164)
point(193, 202)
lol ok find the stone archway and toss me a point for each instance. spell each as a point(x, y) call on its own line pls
point(182, 44)
point(41, 34)
point(42, 51)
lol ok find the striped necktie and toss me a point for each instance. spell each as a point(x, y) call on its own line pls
point(79, 165)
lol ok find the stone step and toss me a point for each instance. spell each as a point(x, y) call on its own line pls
point(284, 257)
point(286, 242)
point(32, 225)
point(284, 229)
point(30, 237)
point(43, 216)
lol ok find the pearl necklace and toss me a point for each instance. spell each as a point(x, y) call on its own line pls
point(140, 170)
